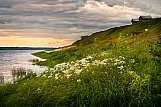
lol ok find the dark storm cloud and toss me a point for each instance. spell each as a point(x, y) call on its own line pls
point(5, 4)
point(152, 6)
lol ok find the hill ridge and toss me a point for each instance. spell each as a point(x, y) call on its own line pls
point(112, 34)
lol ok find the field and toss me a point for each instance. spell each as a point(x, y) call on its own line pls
point(117, 67)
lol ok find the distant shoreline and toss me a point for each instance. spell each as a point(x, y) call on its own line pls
point(25, 48)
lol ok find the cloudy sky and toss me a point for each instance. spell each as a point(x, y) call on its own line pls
point(54, 23)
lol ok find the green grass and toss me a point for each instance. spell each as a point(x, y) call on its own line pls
point(99, 41)
point(112, 34)
point(123, 73)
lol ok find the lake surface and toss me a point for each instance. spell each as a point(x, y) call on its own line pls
point(13, 59)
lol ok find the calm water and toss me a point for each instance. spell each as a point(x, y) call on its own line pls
point(12, 59)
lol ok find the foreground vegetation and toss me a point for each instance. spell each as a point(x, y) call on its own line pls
point(123, 73)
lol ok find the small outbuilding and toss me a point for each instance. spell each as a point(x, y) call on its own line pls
point(82, 37)
point(134, 21)
point(145, 18)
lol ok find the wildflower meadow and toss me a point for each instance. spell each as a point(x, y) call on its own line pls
point(121, 73)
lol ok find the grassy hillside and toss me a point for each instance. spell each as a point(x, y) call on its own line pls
point(108, 68)
point(112, 34)
point(102, 40)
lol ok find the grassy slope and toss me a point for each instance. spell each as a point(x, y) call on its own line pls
point(114, 33)
point(103, 38)
point(95, 73)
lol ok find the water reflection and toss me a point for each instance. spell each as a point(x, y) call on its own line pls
point(1, 78)
point(10, 59)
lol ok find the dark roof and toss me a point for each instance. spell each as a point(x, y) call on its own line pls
point(145, 17)
point(134, 20)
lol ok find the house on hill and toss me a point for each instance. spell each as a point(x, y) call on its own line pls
point(145, 18)
point(134, 21)
point(141, 18)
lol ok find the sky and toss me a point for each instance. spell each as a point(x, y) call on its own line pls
point(56, 23)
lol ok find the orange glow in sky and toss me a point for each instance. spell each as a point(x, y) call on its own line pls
point(13, 41)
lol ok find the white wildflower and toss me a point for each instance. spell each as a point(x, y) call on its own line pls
point(121, 67)
point(83, 62)
point(68, 75)
point(116, 60)
point(72, 62)
point(56, 76)
point(72, 68)
point(123, 58)
point(102, 63)
point(78, 71)
point(133, 60)
point(88, 64)
point(131, 72)
point(96, 61)
point(137, 76)
point(87, 61)
point(23, 76)
point(50, 76)
point(64, 63)
point(66, 71)
point(115, 64)
point(76, 64)
point(105, 60)
point(89, 57)
point(122, 62)
point(78, 80)
point(110, 59)
point(38, 89)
